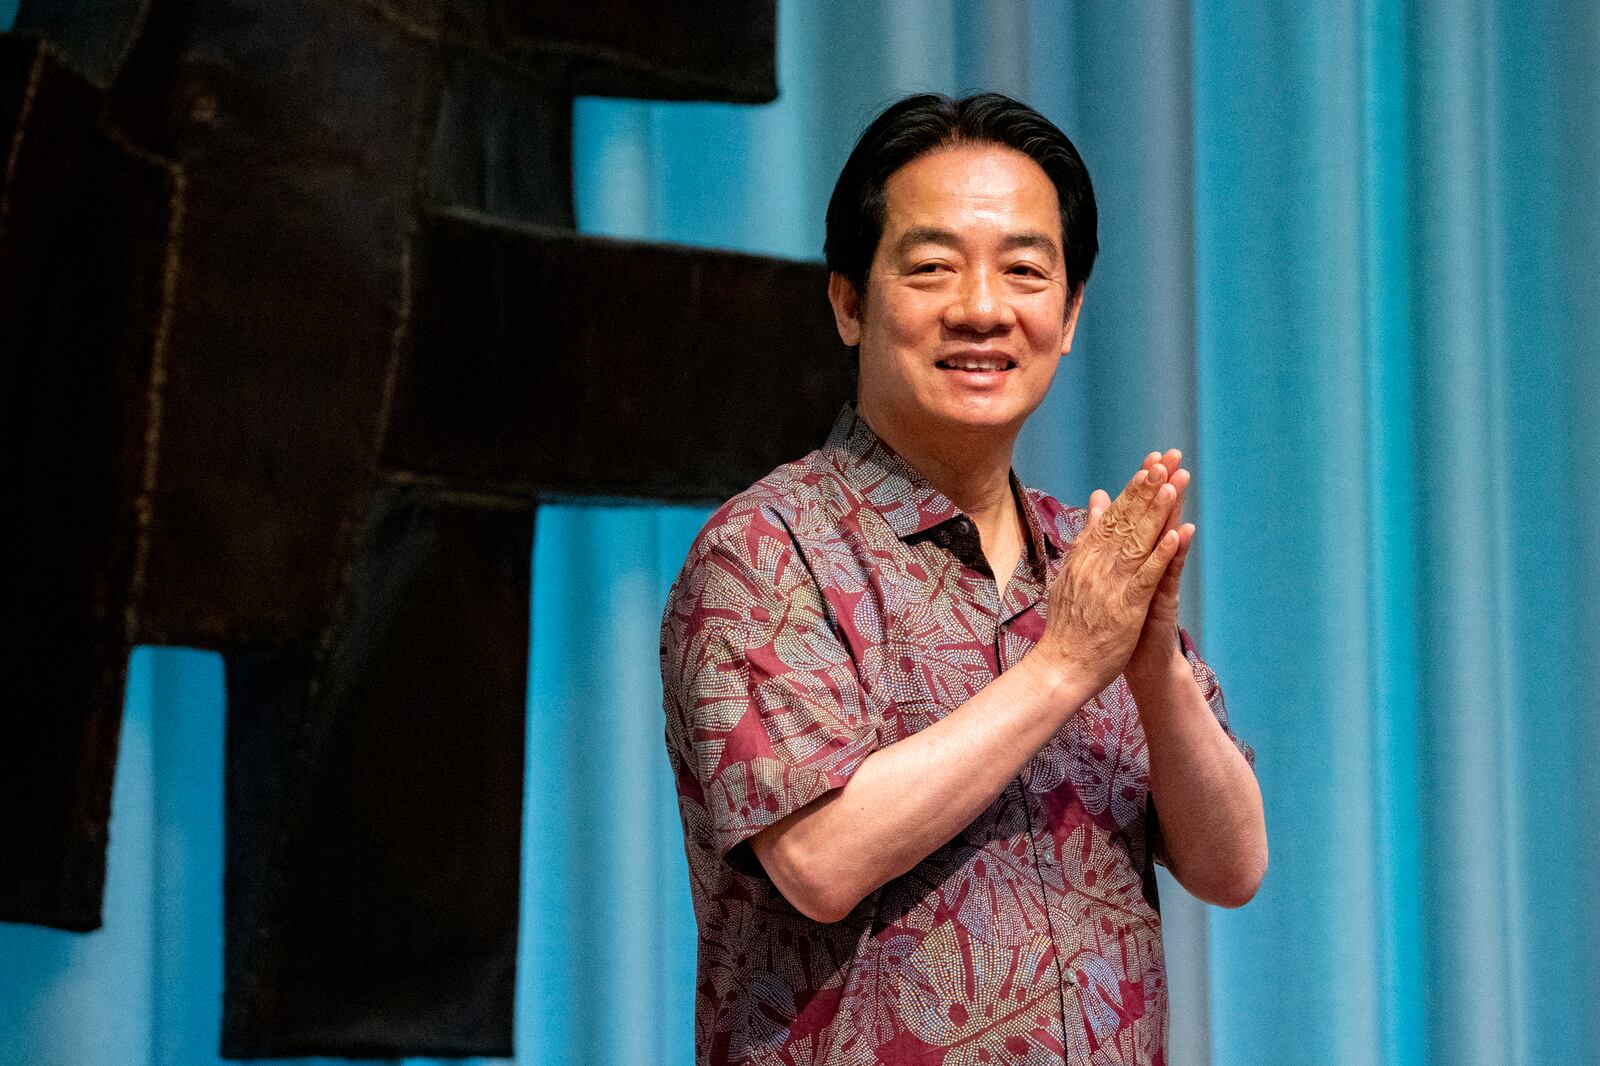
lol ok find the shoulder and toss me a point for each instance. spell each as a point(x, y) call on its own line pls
point(746, 565)
point(752, 541)
point(746, 526)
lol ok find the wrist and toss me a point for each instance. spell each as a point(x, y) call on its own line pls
point(1156, 672)
point(1062, 683)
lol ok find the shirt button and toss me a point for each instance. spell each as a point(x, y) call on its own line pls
point(1047, 857)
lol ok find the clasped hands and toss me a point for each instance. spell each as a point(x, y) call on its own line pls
point(1113, 607)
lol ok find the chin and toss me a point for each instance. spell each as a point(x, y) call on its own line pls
point(987, 412)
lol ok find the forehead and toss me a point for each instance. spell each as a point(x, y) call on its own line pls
point(971, 187)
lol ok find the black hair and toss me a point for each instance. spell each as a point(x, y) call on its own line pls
point(924, 123)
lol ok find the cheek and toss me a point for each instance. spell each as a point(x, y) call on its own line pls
point(1046, 372)
point(888, 337)
point(912, 321)
point(1045, 330)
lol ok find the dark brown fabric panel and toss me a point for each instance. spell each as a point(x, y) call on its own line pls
point(374, 800)
point(212, 274)
point(687, 51)
point(503, 144)
point(301, 127)
point(721, 51)
point(563, 365)
point(84, 229)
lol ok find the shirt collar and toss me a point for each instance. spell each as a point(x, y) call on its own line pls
point(904, 498)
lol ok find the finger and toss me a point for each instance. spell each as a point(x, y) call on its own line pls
point(1180, 481)
point(1148, 576)
point(1150, 522)
point(1095, 525)
point(1172, 458)
point(1119, 510)
point(1136, 517)
point(1147, 490)
point(1141, 535)
point(1172, 578)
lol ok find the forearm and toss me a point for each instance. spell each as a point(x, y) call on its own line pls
point(1205, 793)
point(906, 800)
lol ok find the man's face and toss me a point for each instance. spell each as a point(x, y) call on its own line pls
point(966, 314)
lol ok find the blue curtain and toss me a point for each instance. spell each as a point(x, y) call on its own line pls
point(1349, 266)
point(1395, 251)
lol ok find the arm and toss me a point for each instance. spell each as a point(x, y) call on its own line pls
point(908, 799)
point(1207, 796)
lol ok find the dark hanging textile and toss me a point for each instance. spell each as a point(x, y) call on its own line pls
point(294, 335)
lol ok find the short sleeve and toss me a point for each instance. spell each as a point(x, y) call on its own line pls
point(1212, 690)
point(760, 689)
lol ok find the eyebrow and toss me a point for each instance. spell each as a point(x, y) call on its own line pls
point(934, 235)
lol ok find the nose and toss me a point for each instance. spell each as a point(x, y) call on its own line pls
point(979, 304)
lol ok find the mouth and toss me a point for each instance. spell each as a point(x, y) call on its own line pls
point(974, 363)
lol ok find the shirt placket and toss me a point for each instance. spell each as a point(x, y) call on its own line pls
point(1008, 652)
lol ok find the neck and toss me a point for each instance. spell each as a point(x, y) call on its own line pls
point(972, 469)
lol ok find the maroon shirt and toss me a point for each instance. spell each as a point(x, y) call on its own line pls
point(839, 605)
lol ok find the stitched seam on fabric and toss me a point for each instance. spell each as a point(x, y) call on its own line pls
point(511, 55)
point(155, 393)
point(438, 487)
point(397, 337)
point(135, 32)
point(420, 30)
point(424, 105)
point(14, 152)
point(501, 224)
point(310, 732)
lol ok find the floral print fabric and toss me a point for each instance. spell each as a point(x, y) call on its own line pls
point(840, 605)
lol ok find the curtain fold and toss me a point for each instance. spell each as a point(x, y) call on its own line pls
point(1393, 207)
point(1348, 266)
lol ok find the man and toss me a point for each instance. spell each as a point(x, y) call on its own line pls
point(923, 719)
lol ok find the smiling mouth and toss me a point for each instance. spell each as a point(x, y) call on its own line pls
point(975, 364)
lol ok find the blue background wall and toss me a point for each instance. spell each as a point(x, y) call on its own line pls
point(1350, 267)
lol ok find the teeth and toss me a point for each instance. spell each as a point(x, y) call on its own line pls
point(976, 364)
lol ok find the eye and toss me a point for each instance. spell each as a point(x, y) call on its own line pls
point(927, 268)
point(1027, 270)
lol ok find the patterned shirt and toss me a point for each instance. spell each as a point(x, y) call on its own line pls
point(837, 606)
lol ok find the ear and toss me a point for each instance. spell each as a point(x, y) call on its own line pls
point(1070, 326)
point(846, 309)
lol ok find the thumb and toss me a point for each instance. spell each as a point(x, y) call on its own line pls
point(1099, 501)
